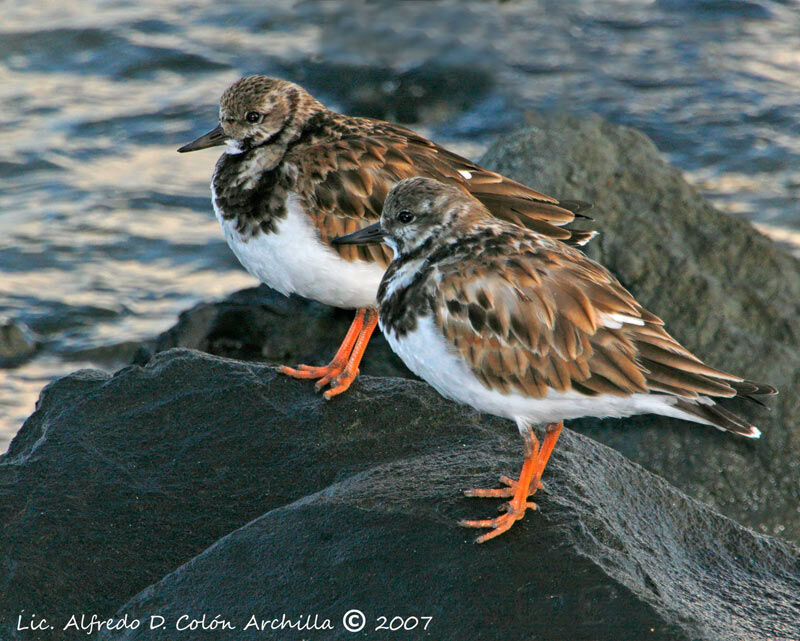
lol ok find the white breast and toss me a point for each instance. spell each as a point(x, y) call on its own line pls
point(295, 261)
point(426, 353)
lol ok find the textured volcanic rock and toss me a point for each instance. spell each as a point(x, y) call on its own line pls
point(259, 324)
point(725, 291)
point(236, 492)
point(17, 342)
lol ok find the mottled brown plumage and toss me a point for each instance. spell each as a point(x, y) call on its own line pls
point(343, 166)
point(286, 150)
point(521, 325)
point(348, 180)
point(529, 314)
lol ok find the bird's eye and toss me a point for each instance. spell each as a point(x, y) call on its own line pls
point(252, 116)
point(405, 216)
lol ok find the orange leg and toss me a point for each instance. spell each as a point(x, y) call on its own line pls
point(348, 375)
point(502, 492)
point(343, 369)
point(529, 481)
point(548, 444)
point(340, 358)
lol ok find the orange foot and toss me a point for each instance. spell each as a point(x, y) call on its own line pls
point(343, 369)
point(529, 481)
point(514, 512)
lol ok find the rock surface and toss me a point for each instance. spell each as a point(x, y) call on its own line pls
point(17, 342)
point(236, 491)
point(726, 291)
point(259, 324)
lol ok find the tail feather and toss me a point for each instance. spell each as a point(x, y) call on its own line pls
point(710, 412)
point(751, 388)
point(577, 207)
point(580, 237)
point(697, 388)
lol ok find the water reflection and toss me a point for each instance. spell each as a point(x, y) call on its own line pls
point(106, 233)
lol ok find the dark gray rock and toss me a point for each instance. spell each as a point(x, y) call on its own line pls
point(289, 504)
point(17, 342)
point(428, 93)
point(259, 324)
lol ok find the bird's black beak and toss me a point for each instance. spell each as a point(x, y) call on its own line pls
point(213, 138)
point(369, 234)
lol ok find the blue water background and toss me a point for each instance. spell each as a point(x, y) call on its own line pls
point(106, 233)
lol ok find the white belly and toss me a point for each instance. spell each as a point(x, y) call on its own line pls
point(295, 261)
point(426, 353)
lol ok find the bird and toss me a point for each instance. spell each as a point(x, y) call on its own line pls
point(295, 174)
point(525, 327)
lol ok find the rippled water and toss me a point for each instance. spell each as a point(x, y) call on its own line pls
point(106, 233)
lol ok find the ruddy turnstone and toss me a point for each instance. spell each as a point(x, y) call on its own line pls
point(294, 175)
point(523, 326)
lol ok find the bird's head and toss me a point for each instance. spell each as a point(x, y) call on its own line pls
point(419, 211)
point(257, 111)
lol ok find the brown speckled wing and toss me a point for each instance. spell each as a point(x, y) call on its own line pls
point(506, 199)
point(347, 181)
point(540, 317)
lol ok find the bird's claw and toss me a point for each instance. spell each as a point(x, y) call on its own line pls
point(501, 523)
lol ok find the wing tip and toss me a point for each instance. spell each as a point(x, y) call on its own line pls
point(579, 238)
point(753, 433)
point(577, 207)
